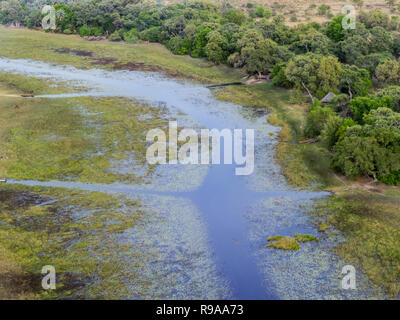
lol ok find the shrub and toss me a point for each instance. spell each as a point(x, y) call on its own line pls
point(178, 45)
point(131, 36)
point(361, 106)
point(152, 34)
point(115, 36)
point(323, 9)
point(394, 93)
point(259, 12)
point(391, 179)
point(86, 31)
point(388, 72)
point(317, 119)
point(278, 76)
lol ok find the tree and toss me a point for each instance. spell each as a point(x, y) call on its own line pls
point(334, 130)
point(314, 73)
point(371, 61)
point(250, 38)
point(175, 27)
point(356, 81)
point(372, 149)
point(200, 42)
point(335, 29)
point(235, 16)
point(14, 11)
point(394, 93)
point(66, 19)
point(278, 76)
point(260, 57)
point(374, 18)
point(302, 70)
point(329, 74)
point(353, 48)
point(361, 106)
point(314, 41)
point(214, 49)
point(354, 155)
point(381, 40)
point(388, 73)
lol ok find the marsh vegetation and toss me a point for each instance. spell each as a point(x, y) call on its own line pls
point(81, 138)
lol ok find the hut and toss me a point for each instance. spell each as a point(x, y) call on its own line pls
point(328, 97)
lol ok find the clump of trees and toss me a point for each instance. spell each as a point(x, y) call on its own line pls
point(361, 129)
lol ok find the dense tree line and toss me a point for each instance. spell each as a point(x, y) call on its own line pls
point(360, 125)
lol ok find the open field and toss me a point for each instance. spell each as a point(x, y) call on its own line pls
point(306, 10)
point(368, 219)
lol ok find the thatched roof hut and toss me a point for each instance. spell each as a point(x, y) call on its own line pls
point(328, 97)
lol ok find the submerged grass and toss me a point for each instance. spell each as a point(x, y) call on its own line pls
point(15, 83)
point(73, 231)
point(79, 139)
point(370, 222)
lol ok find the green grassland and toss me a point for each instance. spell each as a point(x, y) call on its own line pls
point(29, 44)
point(368, 219)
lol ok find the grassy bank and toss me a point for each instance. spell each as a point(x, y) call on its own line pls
point(75, 51)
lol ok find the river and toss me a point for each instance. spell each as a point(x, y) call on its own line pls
point(210, 240)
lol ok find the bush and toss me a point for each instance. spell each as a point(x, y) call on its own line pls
point(267, 13)
point(388, 73)
point(131, 36)
point(372, 149)
point(279, 78)
point(323, 9)
point(86, 31)
point(259, 12)
point(178, 46)
point(334, 130)
point(394, 93)
point(361, 106)
point(115, 36)
point(152, 34)
point(391, 179)
point(317, 119)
